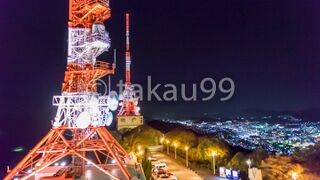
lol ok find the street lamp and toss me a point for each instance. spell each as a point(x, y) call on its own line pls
point(167, 146)
point(175, 150)
point(140, 154)
point(162, 142)
point(139, 148)
point(187, 149)
point(294, 176)
point(213, 154)
point(249, 162)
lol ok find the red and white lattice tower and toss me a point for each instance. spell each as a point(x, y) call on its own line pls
point(78, 131)
point(129, 114)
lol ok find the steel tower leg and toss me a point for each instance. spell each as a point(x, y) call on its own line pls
point(54, 147)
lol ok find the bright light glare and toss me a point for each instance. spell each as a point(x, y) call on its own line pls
point(162, 139)
point(83, 120)
point(56, 164)
point(63, 164)
point(113, 101)
point(38, 164)
point(109, 118)
point(294, 175)
point(89, 174)
point(94, 103)
point(213, 154)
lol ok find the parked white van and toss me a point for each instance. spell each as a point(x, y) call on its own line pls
point(160, 165)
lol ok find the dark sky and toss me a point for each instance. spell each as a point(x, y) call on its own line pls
point(270, 48)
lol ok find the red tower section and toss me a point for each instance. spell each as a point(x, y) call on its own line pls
point(81, 75)
point(129, 114)
point(79, 135)
point(128, 55)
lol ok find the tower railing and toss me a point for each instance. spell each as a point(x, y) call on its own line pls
point(102, 65)
point(103, 37)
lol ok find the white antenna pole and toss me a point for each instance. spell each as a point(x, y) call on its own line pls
point(115, 65)
point(109, 84)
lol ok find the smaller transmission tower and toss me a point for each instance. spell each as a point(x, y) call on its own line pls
point(129, 115)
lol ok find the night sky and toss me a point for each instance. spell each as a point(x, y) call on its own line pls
point(270, 48)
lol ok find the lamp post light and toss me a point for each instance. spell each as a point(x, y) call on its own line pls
point(140, 154)
point(249, 162)
point(294, 176)
point(213, 154)
point(175, 150)
point(187, 161)
point(167, 146)
point(162, 142)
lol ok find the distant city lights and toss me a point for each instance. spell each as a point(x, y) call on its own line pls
point(275, 134)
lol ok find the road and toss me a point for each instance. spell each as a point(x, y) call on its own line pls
point(177, 169)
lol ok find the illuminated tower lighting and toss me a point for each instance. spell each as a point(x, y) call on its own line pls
point(129, 115)
point(82, 112)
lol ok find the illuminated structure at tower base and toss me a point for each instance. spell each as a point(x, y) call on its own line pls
point(129, 122)
point(78, 135)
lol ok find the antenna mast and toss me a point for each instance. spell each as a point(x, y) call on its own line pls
point(128, 55)
point(129, 115)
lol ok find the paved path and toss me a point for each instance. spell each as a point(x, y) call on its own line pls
point(178, 170)
point(197, 171)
